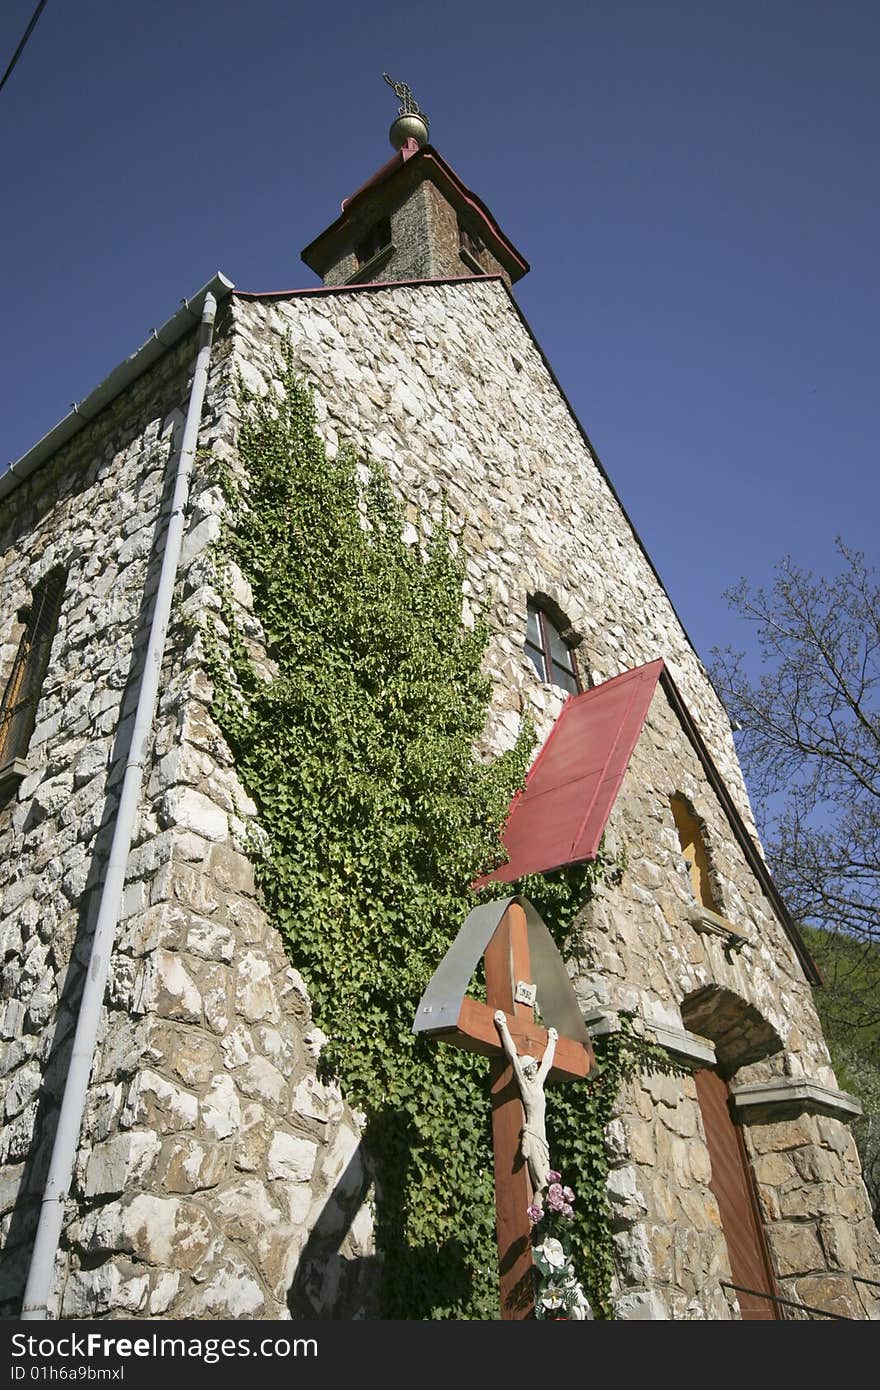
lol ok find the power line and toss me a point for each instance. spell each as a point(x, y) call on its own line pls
point(26, 35)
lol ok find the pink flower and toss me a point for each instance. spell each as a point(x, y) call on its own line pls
point(568, 1209)
point(535, 1213)
point(554, 1177)
point(568, 1194)
point(554, 1197)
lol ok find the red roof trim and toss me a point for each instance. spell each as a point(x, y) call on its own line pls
point(561, 814)
point(367, 286)
point(636, 688)
point(406, 151)
point(476, 203)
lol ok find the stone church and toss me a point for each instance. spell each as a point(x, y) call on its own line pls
point(163, 1112)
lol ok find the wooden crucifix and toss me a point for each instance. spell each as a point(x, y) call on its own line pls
point(522, 966)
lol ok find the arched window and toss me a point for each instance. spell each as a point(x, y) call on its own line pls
point(693, 848)
point(18, 711)
point(548, 649)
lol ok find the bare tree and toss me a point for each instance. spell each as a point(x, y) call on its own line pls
point(808, 734)
point(809, 737)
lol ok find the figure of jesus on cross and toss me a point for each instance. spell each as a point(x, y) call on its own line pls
point(530, 1076)
point(524, 1056)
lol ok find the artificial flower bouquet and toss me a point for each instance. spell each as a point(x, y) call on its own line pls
point(559, 1293)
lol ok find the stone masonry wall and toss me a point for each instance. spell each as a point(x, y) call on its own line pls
point(756, 1007)
point(94, 507)
point(445, 386)
point(217, 1177)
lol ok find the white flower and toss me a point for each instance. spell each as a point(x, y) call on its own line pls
point(552, 1252)
point(552, 1298)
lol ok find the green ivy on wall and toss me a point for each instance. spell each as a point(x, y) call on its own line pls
point(377, 815)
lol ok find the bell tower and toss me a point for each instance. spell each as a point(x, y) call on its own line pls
point(413, 220)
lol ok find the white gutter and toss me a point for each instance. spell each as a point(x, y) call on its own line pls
point(42, 1268)
point(122, 376)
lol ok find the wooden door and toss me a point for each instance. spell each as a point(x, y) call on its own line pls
point(734, 1190)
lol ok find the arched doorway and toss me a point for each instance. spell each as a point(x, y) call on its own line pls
point(741, 1035)
point(734, 1191)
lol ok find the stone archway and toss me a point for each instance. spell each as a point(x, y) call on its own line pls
point(741, 1033)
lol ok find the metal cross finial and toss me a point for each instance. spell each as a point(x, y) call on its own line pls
point(409, 105)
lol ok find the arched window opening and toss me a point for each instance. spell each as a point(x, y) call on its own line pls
point(18, 711)
point(693, 848)
point(549, 649)
point(376, 239)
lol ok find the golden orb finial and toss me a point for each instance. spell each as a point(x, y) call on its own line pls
point(411, 122)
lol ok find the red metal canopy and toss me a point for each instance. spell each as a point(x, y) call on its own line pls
point(561, 813)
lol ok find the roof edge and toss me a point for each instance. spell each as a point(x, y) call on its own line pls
point(160, 340)
point(368, 286)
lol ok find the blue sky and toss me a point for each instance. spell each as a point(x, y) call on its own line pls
point(694, 184)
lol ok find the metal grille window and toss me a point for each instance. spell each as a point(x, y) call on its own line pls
point(18, 711)
point(548, 651)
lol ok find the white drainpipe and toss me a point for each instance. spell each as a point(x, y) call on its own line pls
point(73, 1102)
